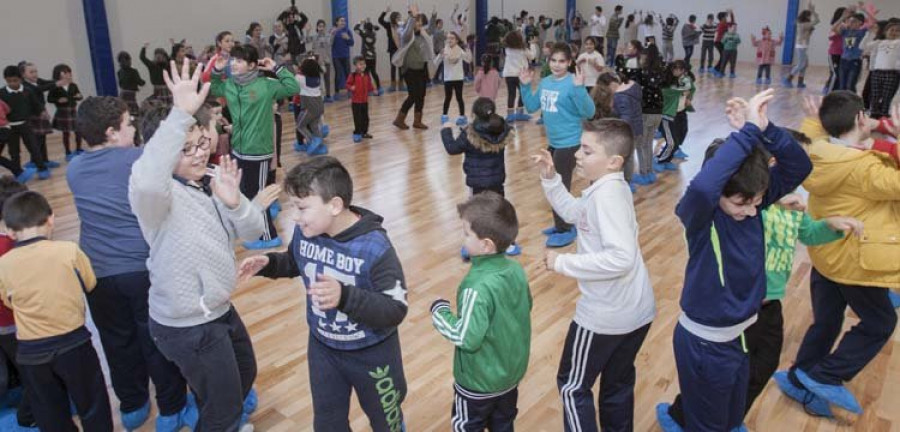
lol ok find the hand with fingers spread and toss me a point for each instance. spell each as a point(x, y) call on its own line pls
point(811, 105)
point(544, 161)
point(226, 184)
point(267, 196)
point(526, 75)
point(578, 80)
point(758, 108)
point(845, 225)
point(325, 292)
point(736, 111)
point(183, 87)
point(251, 266)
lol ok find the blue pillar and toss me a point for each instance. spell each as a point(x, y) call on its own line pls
point(790, 32)
point(339, 8)
point(101, 50)
point(570, 12)
point(481, 20)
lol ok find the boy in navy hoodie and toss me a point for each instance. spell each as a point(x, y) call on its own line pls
point(725, 279)
point(356, 298)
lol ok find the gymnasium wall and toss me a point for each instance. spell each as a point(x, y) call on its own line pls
point(751, 17)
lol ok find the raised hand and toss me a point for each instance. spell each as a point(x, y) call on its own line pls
point(325, 292)
point(544, 162)
point(226, 184)
point(757, 112)
point(845, 225)
point(267, 64)
point(736, 111)
point(526, 75)
point(184, 86)
point(811, 105)
point(267, 196)
point(579, 77)
point(251, 266)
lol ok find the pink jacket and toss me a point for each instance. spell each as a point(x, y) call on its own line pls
point(765, 49)
point(487, 85)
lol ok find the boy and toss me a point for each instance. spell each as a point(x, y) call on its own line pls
point(22, 105)
point(708, 44)
point(725, 277)
point(730, 43)
point(250, 97)
point(112, 239)
point(359, 84)
point(42, 281)
point(725, 20)
point(492, 333)
point(850, 27)
point(614, 313)
point(612, 35)
point(10, 370)
point(690, 35)
point(356, 298)
point(854, 272)
point(190, 221)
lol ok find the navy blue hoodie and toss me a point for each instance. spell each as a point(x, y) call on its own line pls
point(485, 164)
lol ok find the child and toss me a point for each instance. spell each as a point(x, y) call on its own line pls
point(452, 57)
point(130, 82)
point(367, 34)
point(487, 82)
point(484, 144)
point(852, 27)
point(43, 282)
point(392, 29)
point(668, 35)
point(612, 35)
point(806, 23)
point(279, 43)
point(22, 106)
point(11, 374)
point(564, 104)
point(356, 297)
point(310, 108)
point(591, 63)
point(855, 271)
point(517, 59)
point(341, 42)
point(725, 20)
point(725, 279)
point(111, 237)
point(321, 47)
point(66, 97)
point(492, 331)
point(359, 84)
point(439, 39)
point(730, 42)
point(690, 35)
point(155, 68)
point(616, 308)
point(765, 54)
point(678, 93)
point(631, 28)
point(190, 219)
point(627, 105)
point(708, 44)
point(885, 74)
point(40, 122)
point(250, 99)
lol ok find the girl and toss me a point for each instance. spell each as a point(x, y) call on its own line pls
point(393, 39)
point(321, 47)
point(806, 23)
point(453, 55)
point(650, 76)
point(591, 63)
point(366, 31)
point(487, 82)
point(631, 29)
point(627, 105)
point(668, 35)
point(765, 54)
point(155, 68)
point(130, 82)
point(559, 31)
point(483, 143)
point(648, 29)
point(730, 43)
point(311, 108)
point(677, 95)
point(278, 43)
point(628, 63)
point(885, 75)
point(835, 49)
point(253, 37)
point(65, 96)
point(341, 41)
point(575, 25)
point(416, 51)
point(40, 121)
point(517, 58)
point(564, 103)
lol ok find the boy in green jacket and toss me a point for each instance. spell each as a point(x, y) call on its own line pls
point(492, 332)
point(250, 97)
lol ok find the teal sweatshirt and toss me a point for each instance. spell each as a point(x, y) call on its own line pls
point(563, 105)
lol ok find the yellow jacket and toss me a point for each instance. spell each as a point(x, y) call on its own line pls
point(860, 184)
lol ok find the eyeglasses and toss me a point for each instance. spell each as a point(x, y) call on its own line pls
point(202, 144)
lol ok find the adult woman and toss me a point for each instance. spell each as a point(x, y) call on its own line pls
point(416, 51)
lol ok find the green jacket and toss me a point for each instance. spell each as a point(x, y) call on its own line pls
point(672, 95)
point(252, 117)
point(730, 41)
point(782, 229)
point(492, 332)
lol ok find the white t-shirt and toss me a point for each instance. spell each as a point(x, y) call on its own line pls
point(516, 60)
point(306, 90)
point(590, 72)
point(885, 54)
point(598, 25)
point(453, 66)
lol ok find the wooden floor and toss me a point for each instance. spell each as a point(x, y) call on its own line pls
point(408, 178)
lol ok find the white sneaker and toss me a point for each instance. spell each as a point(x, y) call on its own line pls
point(247, 427)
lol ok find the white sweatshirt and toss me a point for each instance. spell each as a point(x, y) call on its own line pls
point(516, 60)
point(616, 296)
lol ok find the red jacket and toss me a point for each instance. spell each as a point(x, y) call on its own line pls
point(6, 314)
point(360, 84)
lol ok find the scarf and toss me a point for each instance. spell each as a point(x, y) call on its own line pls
point(245, 78)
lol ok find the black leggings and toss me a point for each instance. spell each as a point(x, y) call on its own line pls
point(415, 84)
point(451, 87)
point(512, 86)
point(372, 68)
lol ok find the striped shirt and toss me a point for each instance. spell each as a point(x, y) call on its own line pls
point(709, 32)
point(668, 32)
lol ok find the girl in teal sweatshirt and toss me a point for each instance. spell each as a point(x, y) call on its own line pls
point(564, 103)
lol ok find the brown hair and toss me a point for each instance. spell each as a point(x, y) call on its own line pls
point(491, 217)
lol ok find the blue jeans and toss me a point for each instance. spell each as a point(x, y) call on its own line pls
point(611, 45)
point(341, 72)
point(849, 74)
point(802, 62)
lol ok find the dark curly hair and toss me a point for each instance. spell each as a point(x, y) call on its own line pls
point(96, 114)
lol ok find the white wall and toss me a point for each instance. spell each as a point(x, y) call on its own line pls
point(751, 17)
